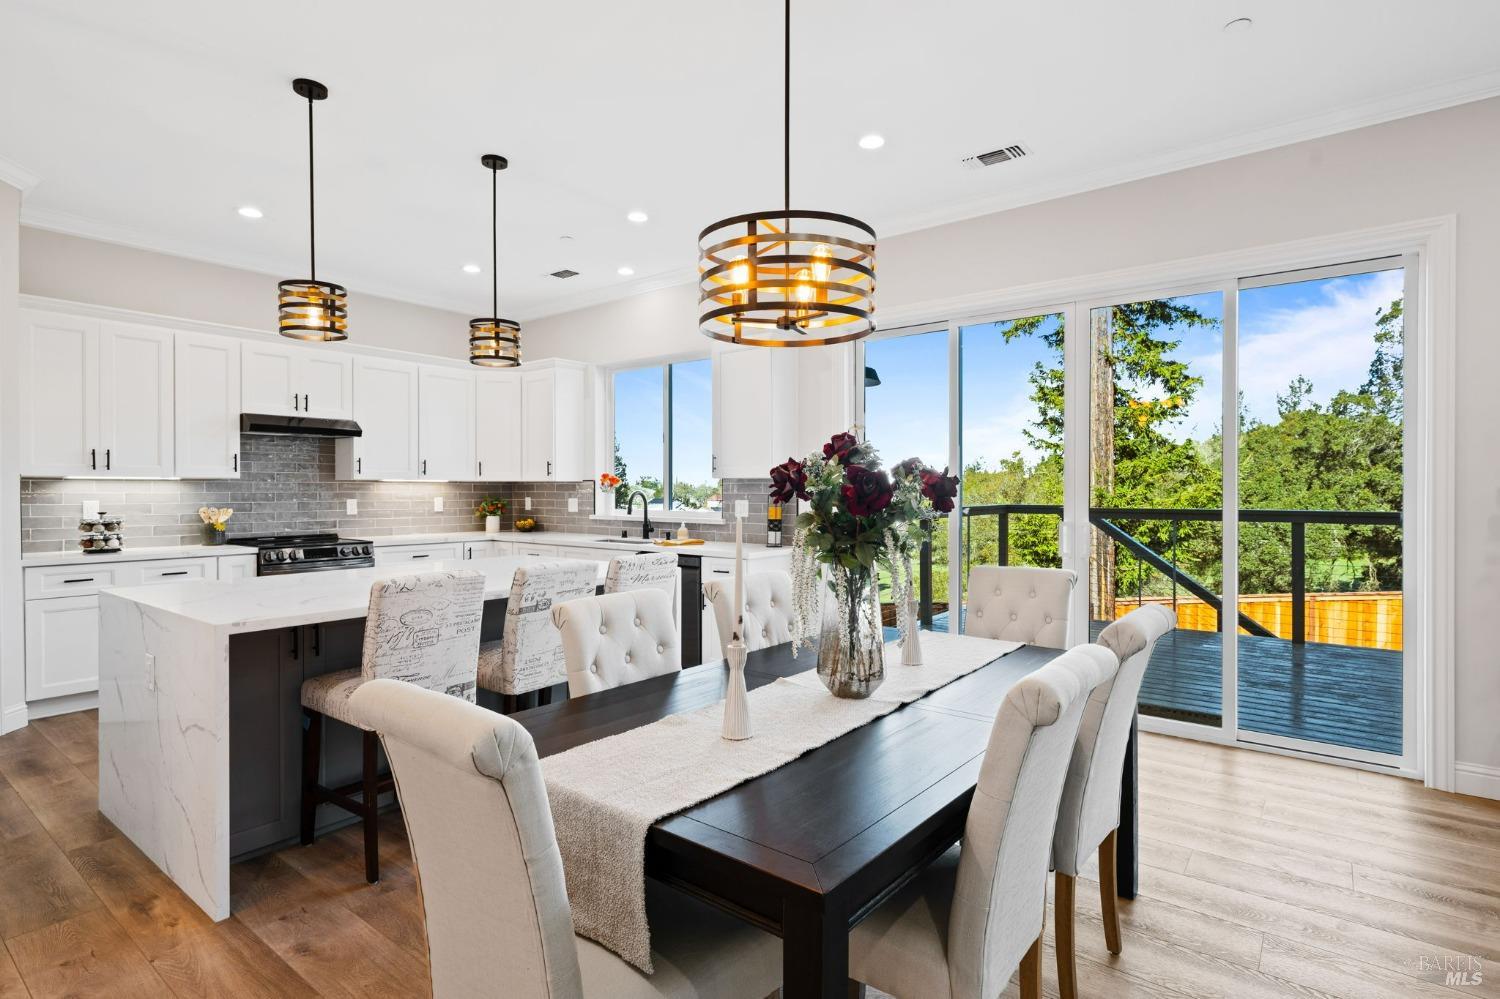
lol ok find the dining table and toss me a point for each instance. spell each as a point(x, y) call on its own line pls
point(809, 849)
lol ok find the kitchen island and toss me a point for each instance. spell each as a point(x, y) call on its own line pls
point(200, 716)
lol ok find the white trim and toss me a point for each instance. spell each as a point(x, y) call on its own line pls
point(1477, 779)
point(664, 516)
point(13, 718)
point(17, 176)
point(1229, 509)
point(67, 704)
point(1204, 733)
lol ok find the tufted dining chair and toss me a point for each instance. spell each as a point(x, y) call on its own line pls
point(768, 609)
point(959, 929)
point(617, 638)
point(1020, 604)
point(529, 656)
point(494, 903)
point(421, 629)
point(654, 570)
point(1089, 813)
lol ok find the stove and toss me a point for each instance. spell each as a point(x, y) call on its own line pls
point(286, 553)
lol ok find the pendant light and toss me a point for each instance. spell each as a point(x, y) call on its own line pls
point(494, 342)
point(788, 278)
point(312, 309)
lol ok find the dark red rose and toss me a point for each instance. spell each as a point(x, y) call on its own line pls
point(839, 446)
point(866, 491)
point(941, 488)
point(787, 481)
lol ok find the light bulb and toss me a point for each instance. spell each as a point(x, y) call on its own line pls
point(822, 268)
point(804, 290)
point(740, 272)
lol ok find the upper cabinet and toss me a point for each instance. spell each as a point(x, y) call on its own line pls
point(386, 409)
point(445, 424)
point(756, 410)
point(554, 422)
point(96, 396)
point(497, 424)
point(208, 406)
point(293, 380)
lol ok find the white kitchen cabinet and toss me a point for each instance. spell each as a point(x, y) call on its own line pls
point(554, 422)
point(233, 567)
point(536, 551)
point(445, 424)
point(487, 549)
point(497, 415)
point(290, 380)
point(96, 398)
point(755, 410)
point(400, 554)
point(207, 409)
point(386, 407)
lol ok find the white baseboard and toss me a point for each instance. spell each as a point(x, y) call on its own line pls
point(63, 705)
point(1476, 779)
point(13, 718)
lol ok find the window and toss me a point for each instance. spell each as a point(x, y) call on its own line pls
point(663, 434)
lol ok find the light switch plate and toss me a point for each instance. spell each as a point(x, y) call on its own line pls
point(528, 502)
point(351, 507)
point(572, 504)
point(90, 508)
point(742, 508)
point(437, 504)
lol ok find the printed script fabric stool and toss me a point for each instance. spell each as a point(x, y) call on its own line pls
point(421, 629)
point(529, 655)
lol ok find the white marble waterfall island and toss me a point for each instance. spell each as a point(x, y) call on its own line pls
point(199, 715)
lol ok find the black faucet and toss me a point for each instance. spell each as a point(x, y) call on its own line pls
point(646, 525)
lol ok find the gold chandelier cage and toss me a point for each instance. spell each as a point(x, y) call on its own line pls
point(313, 310)
point(787, 278)
point(494, 342)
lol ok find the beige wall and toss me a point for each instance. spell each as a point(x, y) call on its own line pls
point(12, 650)
point(86, 270)
point(1429, 165)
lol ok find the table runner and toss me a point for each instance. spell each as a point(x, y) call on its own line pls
point(606, 795)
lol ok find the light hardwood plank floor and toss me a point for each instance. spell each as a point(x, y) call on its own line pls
point(1262, 876)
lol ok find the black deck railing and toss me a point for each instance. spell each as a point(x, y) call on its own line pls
point(1107, 520)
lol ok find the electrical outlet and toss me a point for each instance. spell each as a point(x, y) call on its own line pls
point(150, 671)
point(437, 504)
point(742, 508)
point(572, 504)
point(351, 507)
point(90, 509)
point(528, 502)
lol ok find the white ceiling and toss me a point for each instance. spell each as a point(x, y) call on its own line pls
point(150, 123)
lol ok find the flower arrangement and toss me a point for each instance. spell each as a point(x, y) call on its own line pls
point(859, 519)
point(608, 481)
point(490, 506)
point(215, 517)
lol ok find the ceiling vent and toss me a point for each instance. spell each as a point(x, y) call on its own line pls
point(994, 157)
point(564, 273)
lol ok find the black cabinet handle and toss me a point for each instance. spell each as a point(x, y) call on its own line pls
point(236, 461)
point(481, 468)
point(428, 555)
point(424, 466)
point(359, 466)
point(317, 640)
point(722, 572)
point(106, 459)
point(179, 572)
point(305, 406)
point(93, 458)
point(549, 469)
point(294, 401)
point(84, 579)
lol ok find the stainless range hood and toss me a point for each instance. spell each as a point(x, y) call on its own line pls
point(303, 426)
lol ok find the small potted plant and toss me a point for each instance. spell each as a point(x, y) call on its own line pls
point(215, 520)
point(491, 509)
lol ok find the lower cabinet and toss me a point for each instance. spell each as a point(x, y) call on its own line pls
point(400, 554)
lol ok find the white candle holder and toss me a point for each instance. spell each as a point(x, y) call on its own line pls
point(911, 648)
point(737, 700)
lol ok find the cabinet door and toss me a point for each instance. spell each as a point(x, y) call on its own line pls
point(386, 409)
point(537, 429)
point(207, 410)
point(232, 567)
point(497, 414)
point(571, 460)
point(59, 396)
point(135, 400)
point(396, 554)
point(326, 381)
point(62, 646)
point(446, 423)
point(267, 382)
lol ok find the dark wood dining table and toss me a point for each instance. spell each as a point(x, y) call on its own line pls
point(807, 850)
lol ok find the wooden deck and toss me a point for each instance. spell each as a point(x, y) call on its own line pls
point(1332, 694)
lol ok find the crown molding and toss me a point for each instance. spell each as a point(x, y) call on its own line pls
point(17, 176)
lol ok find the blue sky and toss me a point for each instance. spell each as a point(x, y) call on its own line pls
point(638, 420)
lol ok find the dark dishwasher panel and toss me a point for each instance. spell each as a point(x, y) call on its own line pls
point(691, 567)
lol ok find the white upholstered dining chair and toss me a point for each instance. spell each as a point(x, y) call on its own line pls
point(1089, 813)
point(529, 655)
point(491, 876)
point(960, 929)
point(1019, 603)
point(768, 609)
point(648, 570)
point(421, 629)
point(617, 638)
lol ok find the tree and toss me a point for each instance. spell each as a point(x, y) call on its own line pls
point(622, 491)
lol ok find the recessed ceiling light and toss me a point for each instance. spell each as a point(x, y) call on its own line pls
point(250, 212)
point(637, 216)
point(1239, 24)
point(625, 271)
point(471, 268)
point(871, 141)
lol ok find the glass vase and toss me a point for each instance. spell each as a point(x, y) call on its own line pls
point(851, 641)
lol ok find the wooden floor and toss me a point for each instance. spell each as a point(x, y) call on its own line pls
point(1262, 876)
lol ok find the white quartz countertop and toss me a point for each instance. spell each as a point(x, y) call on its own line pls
point(709, 549)
point(263, 603)
point(35, 559)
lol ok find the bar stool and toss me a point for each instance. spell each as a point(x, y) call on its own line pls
point(529, 655)
point(423, 629)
